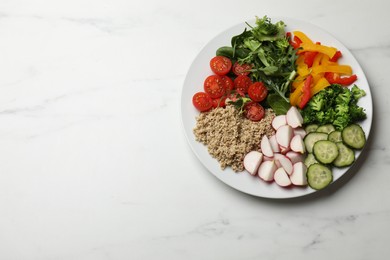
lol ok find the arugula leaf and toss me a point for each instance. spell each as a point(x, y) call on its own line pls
point(267, 31)
point(239, 104)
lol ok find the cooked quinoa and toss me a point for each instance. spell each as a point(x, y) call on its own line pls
point(230, 136)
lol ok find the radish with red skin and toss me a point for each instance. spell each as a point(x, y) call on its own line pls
point(281, 178)
point(284, 134)
point(293, 117)
point(278, 121)
point(252, 161)
point(267, 170)
point(266, 158)
point(300, 131)
point(274, 144)
point(297, 144)
point(284, 162)
point(298, 177)
point(277, 163)
point(266, 147)
point(284, 150)
point(295, 157)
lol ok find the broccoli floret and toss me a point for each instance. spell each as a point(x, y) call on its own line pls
point(319, 116)
point(344, 97)
point(341, 122)
point(357, 92)
point(357, 113)
point(329, 116)
point(308, 115)
point(336, 105)
point(333, 90)
point(318, 101)
point(329, 91)
point(341, 109)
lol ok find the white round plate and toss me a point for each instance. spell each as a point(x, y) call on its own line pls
point(193, 83)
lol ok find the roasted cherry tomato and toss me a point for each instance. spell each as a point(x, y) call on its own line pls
point(242, 83)
point(214, 86)
point(202, 101)
point(220, 65)
point(219, 102)
point(257, 91)
point(228, 82)
point(254, 111)
point(241, 69)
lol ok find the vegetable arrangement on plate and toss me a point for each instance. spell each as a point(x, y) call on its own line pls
point(312, 94)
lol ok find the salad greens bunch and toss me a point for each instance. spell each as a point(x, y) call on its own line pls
point(267, 48)
point(335, 105)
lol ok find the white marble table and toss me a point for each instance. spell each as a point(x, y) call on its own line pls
point(94, 163)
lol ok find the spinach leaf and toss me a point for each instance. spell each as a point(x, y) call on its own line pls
point(278, 104)
point(226, 51)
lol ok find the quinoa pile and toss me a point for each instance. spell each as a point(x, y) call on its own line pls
point(230, 136)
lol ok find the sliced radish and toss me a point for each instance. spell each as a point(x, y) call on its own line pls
point(300, 131)
point(298, 177)
point(252, 161)
point(295, 157)
point(293, 117)
point(266, 158)
point(266, 170)
point(284, 135)
point(278, 121)
point(266, 147)
point(282, 178)
point(274, 144)
point(284, 150)
point(284, 162)
point(277, 162)
point(297, 144)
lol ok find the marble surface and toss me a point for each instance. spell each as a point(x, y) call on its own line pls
point(94, 163)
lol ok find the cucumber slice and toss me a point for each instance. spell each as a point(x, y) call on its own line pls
point(310, 159)
point(313, 137)
point(328, 128)
point(346, 156)
point(311, 128)
point(354, 136)
point(335, 136)
point(319, 176)
point(325, 151)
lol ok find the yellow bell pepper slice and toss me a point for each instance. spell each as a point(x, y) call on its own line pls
point(303, 37)
point(329, 51)
point(300, 60)
point(303, 70)
point(317, 59)
point(321, 65)
point(325, 60)
point(320, 85)
point(295, 96)
point(341, 69)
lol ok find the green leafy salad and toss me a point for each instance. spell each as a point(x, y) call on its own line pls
point(267, 48)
